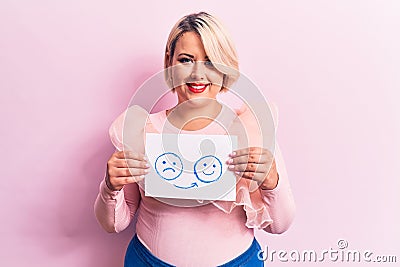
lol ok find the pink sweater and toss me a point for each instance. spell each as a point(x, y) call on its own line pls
point(207, 235)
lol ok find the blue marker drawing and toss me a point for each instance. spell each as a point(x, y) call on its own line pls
point(168, 166)
point(187, 187)
point(208, 169)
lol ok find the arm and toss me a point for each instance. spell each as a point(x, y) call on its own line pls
point(279, 201)
point(119, 195)
point(114, 210)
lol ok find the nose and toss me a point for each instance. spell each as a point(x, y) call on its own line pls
point(198, 71)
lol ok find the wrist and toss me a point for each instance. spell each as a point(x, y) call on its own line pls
point(108, 183)
point(268, 185)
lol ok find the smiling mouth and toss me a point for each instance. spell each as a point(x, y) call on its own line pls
point(209, 173)
point(197, 87)
point(166, 169)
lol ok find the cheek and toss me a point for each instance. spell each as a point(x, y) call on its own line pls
point(215, 89)
point(180, 74)
point(215, 77)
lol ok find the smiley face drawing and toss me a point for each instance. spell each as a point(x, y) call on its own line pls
point(208, 169)
point(168, 166)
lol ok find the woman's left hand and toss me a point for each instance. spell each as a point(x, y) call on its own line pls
point(255, 163)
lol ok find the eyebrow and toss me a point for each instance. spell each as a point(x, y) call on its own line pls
point(185, 54)
point(188, 55)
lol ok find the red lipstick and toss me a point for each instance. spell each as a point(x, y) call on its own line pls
point(197, 87)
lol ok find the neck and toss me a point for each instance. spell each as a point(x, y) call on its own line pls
point(194, 114)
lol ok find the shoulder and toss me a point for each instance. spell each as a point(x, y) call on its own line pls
point(132, 121)
point(244, 112)
point(156, 121)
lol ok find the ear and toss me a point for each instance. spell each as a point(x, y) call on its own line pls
point(167, 70)
point(224, 87)
point(230, 78)
point(167, 57)
point(168, 78)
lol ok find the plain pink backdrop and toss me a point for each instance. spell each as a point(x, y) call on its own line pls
point(68, 68)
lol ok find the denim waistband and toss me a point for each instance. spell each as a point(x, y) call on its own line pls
point(247, 258)
point(144, 257)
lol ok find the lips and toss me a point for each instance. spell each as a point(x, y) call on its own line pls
point(197, 87)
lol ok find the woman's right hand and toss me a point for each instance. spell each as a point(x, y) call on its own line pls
point(125, 167)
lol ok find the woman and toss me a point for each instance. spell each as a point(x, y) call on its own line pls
point(219, 233)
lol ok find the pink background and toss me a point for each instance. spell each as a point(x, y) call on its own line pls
point(68, 68)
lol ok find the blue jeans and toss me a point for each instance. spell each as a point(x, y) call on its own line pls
point(139, 256)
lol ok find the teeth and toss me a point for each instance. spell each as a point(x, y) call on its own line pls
point(198, 87)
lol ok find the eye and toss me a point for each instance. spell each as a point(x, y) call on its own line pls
point(184, 60)
point(164, 162)
point(214, 165)
point(208, 63)
point(174, 163)
point(205, 164)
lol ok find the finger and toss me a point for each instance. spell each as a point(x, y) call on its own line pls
point(251, 176)
point(142, 164)
point(251, 167)
point(247, 150)
point(127, 154)
point(126, 172)
point(130, 163)
point(248, 158)
point(120, 181)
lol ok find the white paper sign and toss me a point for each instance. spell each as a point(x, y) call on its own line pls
point(190, 166)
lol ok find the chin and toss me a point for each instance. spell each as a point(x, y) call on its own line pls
point(199, 101)
point(184, 94)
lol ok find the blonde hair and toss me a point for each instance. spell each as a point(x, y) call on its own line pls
point(217, 45)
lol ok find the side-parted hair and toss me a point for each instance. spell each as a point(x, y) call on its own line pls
point(217, 44)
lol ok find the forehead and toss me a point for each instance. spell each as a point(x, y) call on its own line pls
point(190, 43)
